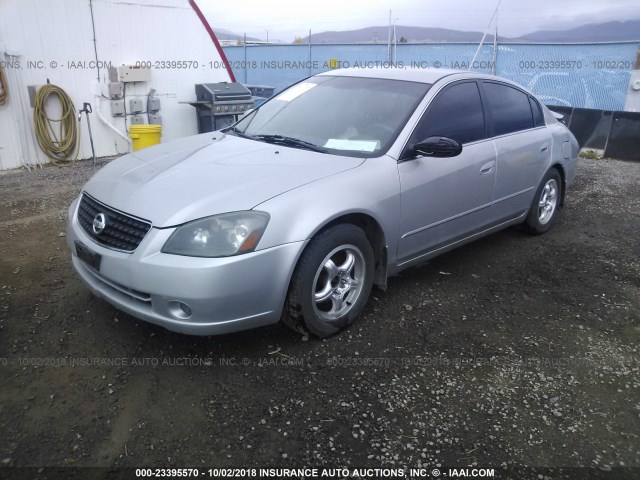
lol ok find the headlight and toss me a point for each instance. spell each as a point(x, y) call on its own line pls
point(218, 236)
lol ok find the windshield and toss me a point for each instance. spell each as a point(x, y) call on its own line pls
point(342, 115)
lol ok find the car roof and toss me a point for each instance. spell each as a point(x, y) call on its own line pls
point(423, 75)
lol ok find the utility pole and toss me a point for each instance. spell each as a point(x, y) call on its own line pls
point(395, 42)
point(310, 57)
point(484, 35)
point(494, 65)
point(244, 47)
point(389, 42)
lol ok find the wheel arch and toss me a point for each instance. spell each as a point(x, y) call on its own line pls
point(375, 235)
point(563, 178)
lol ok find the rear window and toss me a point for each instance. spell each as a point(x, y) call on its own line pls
point(510, 108)
point(538, 118)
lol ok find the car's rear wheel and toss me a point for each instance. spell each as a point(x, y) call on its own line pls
point(331, 283)
point(546, 204)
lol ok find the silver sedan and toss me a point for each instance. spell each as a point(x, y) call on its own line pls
point(333, 186)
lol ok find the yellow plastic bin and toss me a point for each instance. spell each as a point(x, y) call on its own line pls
point(143, 136)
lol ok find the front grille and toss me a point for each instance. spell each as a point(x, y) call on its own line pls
point(121, 231)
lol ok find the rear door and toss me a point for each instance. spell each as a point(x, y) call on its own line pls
point(445, 199)
point(523, 147)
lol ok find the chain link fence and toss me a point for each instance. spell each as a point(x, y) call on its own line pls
point(594, 75)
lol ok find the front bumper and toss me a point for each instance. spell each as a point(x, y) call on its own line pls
point(223, 294)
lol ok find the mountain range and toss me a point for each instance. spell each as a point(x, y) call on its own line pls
point(595, 32)
point(223, 34)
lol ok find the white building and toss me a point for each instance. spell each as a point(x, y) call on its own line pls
point(53, 41)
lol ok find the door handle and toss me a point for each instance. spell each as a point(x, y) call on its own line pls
point(487, 168)
point(544, 147)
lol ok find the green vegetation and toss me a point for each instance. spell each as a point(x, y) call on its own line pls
point(590, 154)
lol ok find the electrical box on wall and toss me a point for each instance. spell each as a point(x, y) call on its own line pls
point(135, 105)
point(115, 90)
point(130, 73)
point(155, 119)
point(113, 74)
point(154, 104)
point(117, 108)
point(137, 120)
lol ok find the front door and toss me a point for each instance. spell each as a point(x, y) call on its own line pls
point(447, 199)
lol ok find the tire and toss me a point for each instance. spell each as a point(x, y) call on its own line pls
point(331, 282)
point(546, 204)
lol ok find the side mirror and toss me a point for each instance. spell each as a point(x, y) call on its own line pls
point(438, 147)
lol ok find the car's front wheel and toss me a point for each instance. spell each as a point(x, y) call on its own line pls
point(332, 281)
point(546, 203)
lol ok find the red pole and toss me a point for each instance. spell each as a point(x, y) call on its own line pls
point(214, 39)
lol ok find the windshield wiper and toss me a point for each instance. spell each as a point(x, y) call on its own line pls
point(238, 132)
point(290, 142)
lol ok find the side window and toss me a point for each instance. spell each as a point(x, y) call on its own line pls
point(455, 113)
point(538, 118)
point(510, 108)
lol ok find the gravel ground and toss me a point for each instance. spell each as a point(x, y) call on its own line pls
point(514, 351)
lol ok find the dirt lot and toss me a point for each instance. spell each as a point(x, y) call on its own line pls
point(513, 351)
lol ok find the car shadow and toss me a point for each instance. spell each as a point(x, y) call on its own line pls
point(474, 257)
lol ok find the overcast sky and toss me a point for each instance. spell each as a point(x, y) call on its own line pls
point(286, 19)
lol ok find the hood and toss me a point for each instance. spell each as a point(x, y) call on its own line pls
point(207, 174)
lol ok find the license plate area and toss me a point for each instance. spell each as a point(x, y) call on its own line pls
point(87, 256)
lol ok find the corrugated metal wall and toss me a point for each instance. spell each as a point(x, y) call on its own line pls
point(42, 37)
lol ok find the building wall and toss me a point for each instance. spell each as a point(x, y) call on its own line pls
point(52, 40)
